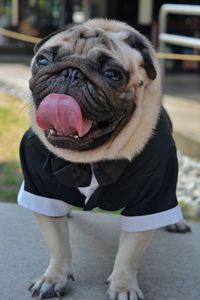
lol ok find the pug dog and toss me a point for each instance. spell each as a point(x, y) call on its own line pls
point(99, 138)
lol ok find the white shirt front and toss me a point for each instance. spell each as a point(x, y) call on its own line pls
point(87, 191)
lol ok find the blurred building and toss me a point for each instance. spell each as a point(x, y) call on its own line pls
point(40, 17)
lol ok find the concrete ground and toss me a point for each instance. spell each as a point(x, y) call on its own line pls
point(170, 269)
point(185, 86)
point(185, 114)
point(15, 74)
point(182, 101)
point(181, 97)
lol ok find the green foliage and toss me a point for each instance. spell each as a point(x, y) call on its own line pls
point(13, 123)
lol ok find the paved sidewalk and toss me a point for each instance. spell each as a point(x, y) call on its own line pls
point(185, 115)
point(15, 74)
point(169, 271)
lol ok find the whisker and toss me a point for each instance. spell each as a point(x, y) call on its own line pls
point(25, 107)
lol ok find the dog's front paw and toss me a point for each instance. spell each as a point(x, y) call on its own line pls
point(51, 285)
point(124, 286)
point(179, 227)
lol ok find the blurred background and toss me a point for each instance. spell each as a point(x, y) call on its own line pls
point(24, 22)
point(39, 18)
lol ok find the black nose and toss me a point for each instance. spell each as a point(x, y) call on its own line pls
point(72, 75)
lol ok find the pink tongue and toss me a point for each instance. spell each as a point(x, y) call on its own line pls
point(64, 114)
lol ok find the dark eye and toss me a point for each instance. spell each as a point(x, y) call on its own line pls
point(113, 75)
point(42, 61)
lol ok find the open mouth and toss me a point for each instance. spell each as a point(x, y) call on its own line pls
point(98, 134)
point(64, 125)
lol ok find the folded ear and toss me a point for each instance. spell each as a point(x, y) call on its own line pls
point(46, 38)
point(40, 43)
point(142, 45)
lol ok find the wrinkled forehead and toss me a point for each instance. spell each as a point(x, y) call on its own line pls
point(80, 39)
point(91, 30)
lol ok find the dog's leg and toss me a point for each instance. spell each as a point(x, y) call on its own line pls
point(123, 280)
point(53, 282)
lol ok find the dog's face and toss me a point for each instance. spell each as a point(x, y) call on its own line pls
point(88, 86)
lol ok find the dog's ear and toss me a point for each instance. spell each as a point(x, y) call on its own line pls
point(46, 38)
point(140, 44)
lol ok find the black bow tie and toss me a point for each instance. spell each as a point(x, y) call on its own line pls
point(79, 174)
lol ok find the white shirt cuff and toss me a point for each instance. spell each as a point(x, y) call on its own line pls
point(152, 221)
point(42, 205)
